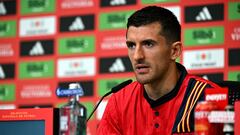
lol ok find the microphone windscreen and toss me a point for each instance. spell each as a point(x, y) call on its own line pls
point(120, 86)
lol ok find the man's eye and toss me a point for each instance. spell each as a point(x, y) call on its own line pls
point(130, 46)
point(148, 44)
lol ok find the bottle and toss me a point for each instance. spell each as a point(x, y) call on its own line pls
point(73, 115)
point(202, 126)
point(228, 128)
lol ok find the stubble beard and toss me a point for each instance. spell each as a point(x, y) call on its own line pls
point(148, 78)
point(143, 79)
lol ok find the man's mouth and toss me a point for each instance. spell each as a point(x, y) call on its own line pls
point(142, 68)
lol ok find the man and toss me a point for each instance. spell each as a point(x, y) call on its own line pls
point(162, 100)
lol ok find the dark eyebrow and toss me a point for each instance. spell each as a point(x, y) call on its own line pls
point(148, 40)
point(130, 42)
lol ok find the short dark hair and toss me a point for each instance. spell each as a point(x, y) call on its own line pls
point(171, 28)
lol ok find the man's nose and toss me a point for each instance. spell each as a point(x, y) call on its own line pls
point(139, 53)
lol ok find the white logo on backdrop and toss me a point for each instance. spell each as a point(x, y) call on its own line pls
point(3, 10)
point(117, 2)
point(37, 26)
point(77, 25)
point(203, 59)
point(117, 66)
point(2, 74)
point(204, 15)
point(7, 106)
point(37, 49)
point(76, 67)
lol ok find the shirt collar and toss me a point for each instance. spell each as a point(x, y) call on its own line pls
point(172, 93)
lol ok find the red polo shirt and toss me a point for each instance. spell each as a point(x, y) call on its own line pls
point(131, 112)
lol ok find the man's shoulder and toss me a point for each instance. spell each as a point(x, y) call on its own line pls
point(129, 91)
point(199, 79)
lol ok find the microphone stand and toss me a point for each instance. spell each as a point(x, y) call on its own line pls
point(113, 90)
point(98, 104)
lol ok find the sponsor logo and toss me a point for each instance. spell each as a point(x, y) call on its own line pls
point(6, 49)
point(216, 97)
point(201, 114)
point(36, 3)
point(221, 116)
point(113, 42)
point(2, 74)
point(36, 91)
point(233, 57)
point(117, 2)
point(37, 26)
point(87, 86)
point(7, 92)
point(3, 10)
point(39, 69)
point(158, 1)
point(82, 44)
point(7, 7)
point(235, 35)
point(69, 92)
point(36, 48)
point(8, 28)
point(234, 10)
point(204, 59)
point(234, 75)
point(77, 23)
point(109, 3)
point(105, 85)
point(7, 107)
point(207, 35)
point(37, 6)
point(204, 13)
point(115, 65)
point(7, 71)
point(68, 4)
point(76, 67)
point(215, 77)
point(114, 20)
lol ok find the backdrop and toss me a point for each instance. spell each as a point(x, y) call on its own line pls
point(46, 44)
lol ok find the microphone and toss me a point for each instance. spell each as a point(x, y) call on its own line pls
point(113, 90)
point(120, 86)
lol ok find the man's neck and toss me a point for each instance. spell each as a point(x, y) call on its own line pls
point(157, 89)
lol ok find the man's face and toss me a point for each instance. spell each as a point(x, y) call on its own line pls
point(149, 52)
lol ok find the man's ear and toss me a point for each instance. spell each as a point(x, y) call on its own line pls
point(176, 50)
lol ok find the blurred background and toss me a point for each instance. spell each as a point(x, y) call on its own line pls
point(47, 44)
